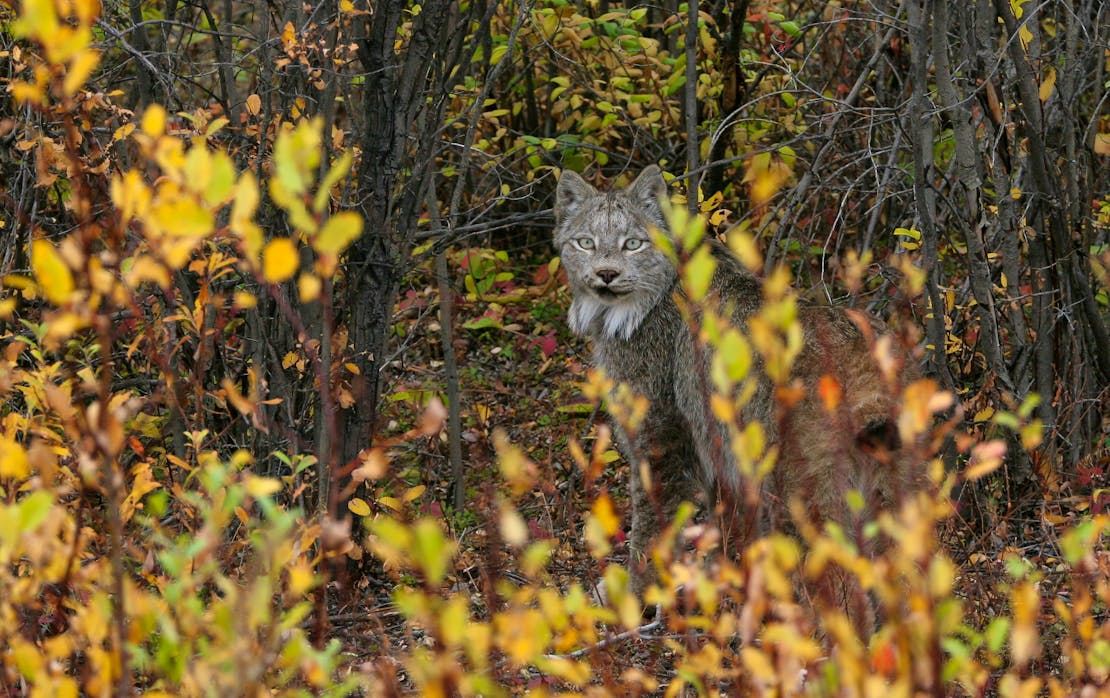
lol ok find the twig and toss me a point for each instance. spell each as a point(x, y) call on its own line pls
point(611, 640)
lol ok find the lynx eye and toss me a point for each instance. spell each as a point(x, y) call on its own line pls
point(585, 243)
point(633, 244)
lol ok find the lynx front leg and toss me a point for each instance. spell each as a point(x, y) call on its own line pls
point(663, 465)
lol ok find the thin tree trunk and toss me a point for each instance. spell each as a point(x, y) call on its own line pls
point(690, 108)
point(922, 135)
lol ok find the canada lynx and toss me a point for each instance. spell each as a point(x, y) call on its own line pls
point(624, 291)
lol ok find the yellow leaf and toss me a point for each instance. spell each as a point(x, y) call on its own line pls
point(1048, 85)
point(289, 359)
point(766, 177)
point(182, 217)
point(86, 10)
point(154, 120)
point(175, 252)
point(1102, 144)
point(131, 195)
point(27, 659)
point(359, 507)
point(984, 414)
point(910, 238)
point(576, 672)
point(259, 487)
point(215, 126)
point(1032, 434)
point(13, 459)
point(53, 276)
point(513, 528)
point(301, 579)
point(79, 71)
point(27, 92)
point(245, 300)
point(340, 231)
point(609, 456)
point(288, 34)
point(517, 470)
point(391, 502)
point(1024, 641)
point(246, 200)
point(1025, 35)
point(743, 245)
point(279, 260)
point(522, 634)
point(432, 550)
point(198, 168)
point(606, 516)
point(293, 205)
point(308, 287)
point(483, 412)
point(237, 400)
point(942, 575)
point(757, 664)
point(37, 18)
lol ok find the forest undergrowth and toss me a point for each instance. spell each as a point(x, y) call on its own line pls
point(289, 405)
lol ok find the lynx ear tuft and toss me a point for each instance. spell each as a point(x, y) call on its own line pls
point(570, 194)
point(648, 191)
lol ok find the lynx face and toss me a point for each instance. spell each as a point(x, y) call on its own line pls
point(615, 272)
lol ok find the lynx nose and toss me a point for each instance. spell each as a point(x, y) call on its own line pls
point(607, 274)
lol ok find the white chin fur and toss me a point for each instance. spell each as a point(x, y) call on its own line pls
point(617, 321)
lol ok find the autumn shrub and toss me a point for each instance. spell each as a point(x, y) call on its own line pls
point(136, 554)
point(157, 535)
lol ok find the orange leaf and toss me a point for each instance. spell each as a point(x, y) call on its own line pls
point(830, 392)
point(884, 660)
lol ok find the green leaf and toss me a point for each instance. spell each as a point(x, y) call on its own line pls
point(431, 550)
point(221, 181)
point(996, 633)
point(483, 322)
point(1077, 542)
point(338, 171)
point(296, 155)
point(698, 273)
point(33, 510)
